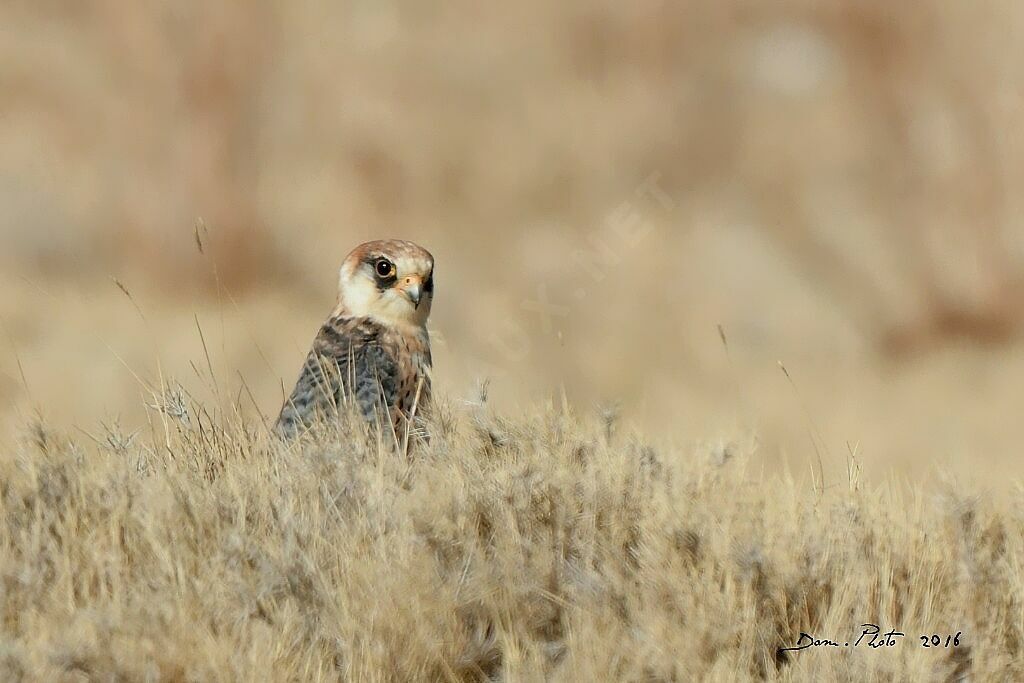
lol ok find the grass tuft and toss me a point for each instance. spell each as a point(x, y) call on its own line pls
point(539, 546)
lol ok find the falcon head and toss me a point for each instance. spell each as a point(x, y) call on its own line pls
point(391, 281)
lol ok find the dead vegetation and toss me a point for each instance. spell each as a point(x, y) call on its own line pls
point(542, 546)
point(840, 176)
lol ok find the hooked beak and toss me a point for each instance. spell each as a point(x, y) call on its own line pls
point(413, 289)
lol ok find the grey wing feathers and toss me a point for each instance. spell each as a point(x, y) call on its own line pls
point(347, 362)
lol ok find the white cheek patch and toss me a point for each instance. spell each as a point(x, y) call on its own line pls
point(392, 306)
point(359, 296)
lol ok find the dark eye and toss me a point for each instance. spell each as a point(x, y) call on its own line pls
point(385, 268)
point(428, 286)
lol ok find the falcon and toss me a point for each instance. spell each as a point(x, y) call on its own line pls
point(373, 352)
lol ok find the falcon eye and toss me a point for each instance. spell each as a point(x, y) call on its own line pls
point(385, 268)
point(428, 286)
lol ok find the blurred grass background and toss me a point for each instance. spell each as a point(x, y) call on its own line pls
point(605, 185)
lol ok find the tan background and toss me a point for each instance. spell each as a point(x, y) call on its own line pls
point(834, 183)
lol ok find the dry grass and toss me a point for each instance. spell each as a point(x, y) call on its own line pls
point(541, 547)
point(841, 177)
